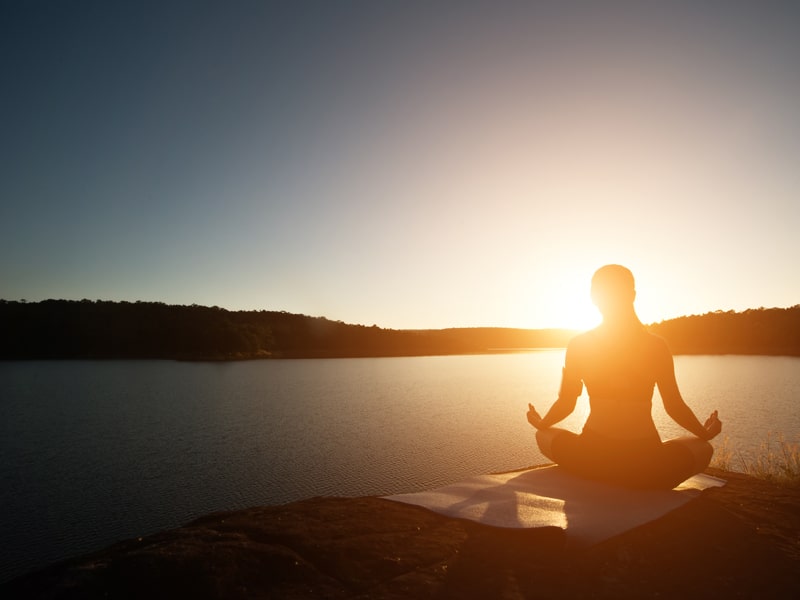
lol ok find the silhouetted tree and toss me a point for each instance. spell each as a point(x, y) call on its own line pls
point(101, 329)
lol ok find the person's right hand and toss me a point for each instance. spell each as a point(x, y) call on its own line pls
point(534, 418)
point(713, 426)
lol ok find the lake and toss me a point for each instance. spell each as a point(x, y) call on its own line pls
point(95, 452)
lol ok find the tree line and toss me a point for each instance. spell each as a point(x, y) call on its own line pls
point(66, 329)
point(774, 331)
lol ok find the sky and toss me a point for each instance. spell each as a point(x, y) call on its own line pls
point(410, 165)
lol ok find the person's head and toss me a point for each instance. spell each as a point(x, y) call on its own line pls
point(613, 290)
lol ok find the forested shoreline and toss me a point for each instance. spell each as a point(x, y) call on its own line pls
point(67, 329)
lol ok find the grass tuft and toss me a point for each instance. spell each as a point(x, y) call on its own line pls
point(775, 460)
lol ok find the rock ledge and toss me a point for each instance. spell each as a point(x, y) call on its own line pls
point(739, 541)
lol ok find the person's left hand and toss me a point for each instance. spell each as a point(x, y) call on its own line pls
point(534, 418)
point(713, 425)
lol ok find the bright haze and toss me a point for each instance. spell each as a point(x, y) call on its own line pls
point(409, 164)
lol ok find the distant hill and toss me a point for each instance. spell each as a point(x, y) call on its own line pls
point(773, 331)
point(65, 329)
point(100, 329)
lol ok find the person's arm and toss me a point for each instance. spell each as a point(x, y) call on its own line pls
point(560, 410)
point(571, 388)
point(676, 407)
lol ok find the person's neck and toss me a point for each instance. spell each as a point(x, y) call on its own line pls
point(622, 320)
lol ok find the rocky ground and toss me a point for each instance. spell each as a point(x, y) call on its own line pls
point(738, 541)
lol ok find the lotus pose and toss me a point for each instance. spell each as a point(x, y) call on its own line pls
point(620, 363)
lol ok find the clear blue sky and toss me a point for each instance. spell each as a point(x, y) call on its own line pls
point(408, 164)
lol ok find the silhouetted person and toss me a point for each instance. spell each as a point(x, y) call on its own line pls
point(620, 363)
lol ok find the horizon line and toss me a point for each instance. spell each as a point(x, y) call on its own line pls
point(547, 328)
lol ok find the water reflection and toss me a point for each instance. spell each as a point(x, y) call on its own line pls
point(94, 452)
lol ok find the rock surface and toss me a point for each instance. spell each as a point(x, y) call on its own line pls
point(738, 541)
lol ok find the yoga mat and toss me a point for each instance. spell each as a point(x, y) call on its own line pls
point(588, 511)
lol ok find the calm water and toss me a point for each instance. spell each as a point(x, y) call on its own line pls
point(95, 452)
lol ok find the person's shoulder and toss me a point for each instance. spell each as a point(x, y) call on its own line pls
point(583, 337)
point(656, 342)
point(583, 340)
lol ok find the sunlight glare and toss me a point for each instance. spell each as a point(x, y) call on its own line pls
point(576, 311)
point(562, 302)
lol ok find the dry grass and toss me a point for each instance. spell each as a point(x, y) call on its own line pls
point(775, 460)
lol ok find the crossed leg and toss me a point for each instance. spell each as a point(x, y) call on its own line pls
point(677, 460)
point(545, 438)
point(700, 451)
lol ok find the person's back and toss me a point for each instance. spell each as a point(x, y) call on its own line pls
point(620, 364)
point(620, 372)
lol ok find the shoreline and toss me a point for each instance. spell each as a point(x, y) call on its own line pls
point(240, 357)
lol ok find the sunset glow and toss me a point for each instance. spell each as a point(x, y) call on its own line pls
point(402, 167)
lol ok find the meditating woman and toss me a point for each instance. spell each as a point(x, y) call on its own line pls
point(619, 362)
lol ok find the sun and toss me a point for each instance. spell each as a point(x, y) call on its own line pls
point(576, 311)
point(560, 301)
